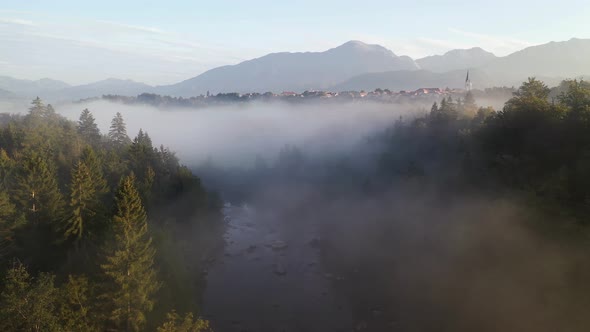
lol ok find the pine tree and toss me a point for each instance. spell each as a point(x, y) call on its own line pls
point(87, 127)
point(434, 108)
point(443, 103)
point(168, 160)
point(143, 157)
point(75, 305)
point(90, 159)
point(37, 193)
point(129, 264)
point(118, 131)
point(27, 304)
point(37, 108)
point(83, 201)
point(7, 168)
point(175, 323)
point(50, 112)
point(101, 204)
point(8, 223)
point(36, 113)
point(142, 152)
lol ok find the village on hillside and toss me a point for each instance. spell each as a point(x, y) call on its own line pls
point(378, 95)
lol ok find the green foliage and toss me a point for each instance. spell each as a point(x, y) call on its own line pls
point(9, 221)
point(176, 323)
point(142, 157)
point(118, 131)
point(38, 108)
point(95, 169)
point(43, 155)
point(87, 128)
point(83, 202)
point(576, 97)
point(446, 113)
point(28, 304)
point(533, 144)
point(35, 304)
point(531, 96)
point(76, 310)
point(129, 262)
point(36, 190)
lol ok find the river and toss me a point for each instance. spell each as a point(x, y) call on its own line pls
point(269, 278)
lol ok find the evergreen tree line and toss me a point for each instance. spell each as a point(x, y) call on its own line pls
point(538, 144)
point(79, 215)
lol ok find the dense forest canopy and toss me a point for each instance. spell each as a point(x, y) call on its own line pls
point(88, 225)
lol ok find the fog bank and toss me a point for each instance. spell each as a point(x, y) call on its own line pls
point(234, 135)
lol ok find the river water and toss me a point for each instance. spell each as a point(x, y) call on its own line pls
point(269, 278)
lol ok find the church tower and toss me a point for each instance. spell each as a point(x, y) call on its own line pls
point(468, 85)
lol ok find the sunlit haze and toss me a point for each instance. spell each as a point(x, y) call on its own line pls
point(163, 42)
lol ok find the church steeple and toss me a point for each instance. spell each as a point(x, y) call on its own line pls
point(468, 85)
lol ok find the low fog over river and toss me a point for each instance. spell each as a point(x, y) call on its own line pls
point(317, 240)
point(270, 277)
point(235, 135)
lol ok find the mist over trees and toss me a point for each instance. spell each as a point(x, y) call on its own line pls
point(444, 215)
point(106, 232)
point(534, 143)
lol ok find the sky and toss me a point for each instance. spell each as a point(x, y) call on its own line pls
point(164, 42)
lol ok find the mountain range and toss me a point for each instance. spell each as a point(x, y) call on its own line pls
point(296, 71)
point(351, 66)
point(456, 59)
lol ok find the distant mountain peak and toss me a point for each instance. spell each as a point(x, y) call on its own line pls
point(456, 59)
point(472, 50)
point(356, 44)
point(294, 71)
point(359, 46)
point(118, 80)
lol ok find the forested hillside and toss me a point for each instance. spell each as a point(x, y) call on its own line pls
point(94, 228)
point(536, 144)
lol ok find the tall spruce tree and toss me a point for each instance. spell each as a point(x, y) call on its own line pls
point(143, 159)
point(87, 127)
point(92, 161)
point(141, 152)
point(83, 202)
point(36, 113)
point(434, 108)
point(7, 224)
point(7, 167)
point(130, 262)
point(37, 193)
point(118, 131)
point(37, 108)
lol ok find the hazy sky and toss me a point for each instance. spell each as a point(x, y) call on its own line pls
point(161, 42)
